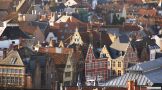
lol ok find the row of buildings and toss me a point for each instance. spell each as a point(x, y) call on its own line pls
point(72, 45)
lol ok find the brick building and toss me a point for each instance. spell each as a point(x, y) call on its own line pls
point(95, 69)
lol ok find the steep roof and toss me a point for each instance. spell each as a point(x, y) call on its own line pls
point(121, 43)
point(147, 66)
point(59, 59)
point(68, 19)
point(42, 25)
point(14, 32)
point(147, 73)
point(13, 58)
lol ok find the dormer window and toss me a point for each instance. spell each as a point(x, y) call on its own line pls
point(103, 56)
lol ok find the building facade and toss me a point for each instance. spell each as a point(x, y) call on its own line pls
point(95, 69)
point(12, 71)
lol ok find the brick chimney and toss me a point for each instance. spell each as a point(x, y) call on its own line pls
point(4, 53)
point(132, 85)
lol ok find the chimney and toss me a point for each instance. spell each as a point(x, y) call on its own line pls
point(4, 53)
point(132, 85)
point(28, 82)
point(32, 11)
point(35, 12)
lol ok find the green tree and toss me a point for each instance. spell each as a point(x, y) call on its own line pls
point(83, 15)
point(115, 20)
point(122, 19)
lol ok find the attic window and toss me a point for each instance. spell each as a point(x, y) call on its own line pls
point(13, 60)
point(13, 42)
point(67, 74)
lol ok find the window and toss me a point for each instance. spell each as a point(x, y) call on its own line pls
point(20, 81)
point(9, 70)
point(68, 66)
point(20, 71)
point(103, 55)
point(119, 72)
point(67, 74)
point(16, 71)
point(88, 66)
point(113, 64)
point(99, 64)
point(119, 64)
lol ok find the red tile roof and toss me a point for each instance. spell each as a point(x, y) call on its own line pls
point(150, 12)
point(54, 50)
point(59, 58)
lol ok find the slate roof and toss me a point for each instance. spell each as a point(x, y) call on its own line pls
point(146, 73)
point(14, 32)
point(121, 43)
point(13, 58)
point(42, 25)
point(36, 59)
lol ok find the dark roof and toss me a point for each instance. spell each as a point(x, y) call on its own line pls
point(42, 25)
point(123, 39)
point(14, 32)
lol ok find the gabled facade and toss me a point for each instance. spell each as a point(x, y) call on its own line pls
point(95, 69)
point(127, 57)
point(121, 63)
point(76, 38)
point(68, 71)
point(104, 53)
point(72, 68)
point(51, 36)
point(12, 71)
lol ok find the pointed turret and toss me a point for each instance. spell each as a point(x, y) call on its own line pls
point(37, 46)
point(61, 44)
point(51, 43)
